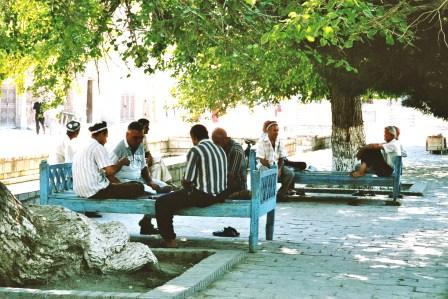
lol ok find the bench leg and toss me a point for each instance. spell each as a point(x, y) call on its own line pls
point(270, 219)
point(253, 236)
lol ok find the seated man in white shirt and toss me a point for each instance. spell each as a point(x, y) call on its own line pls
point(157, 168)
point(65, 150)
point(379, 157)
point(137, 170)
point(270, 152)
point(94, 173)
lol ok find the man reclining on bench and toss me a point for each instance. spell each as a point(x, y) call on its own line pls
point(94, 172)
point(379, 157)
point(204, 183)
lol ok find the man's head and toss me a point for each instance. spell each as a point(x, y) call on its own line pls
point(197, 133)
point(219, 137)
point(99, 132)
point(145, 123)
point(390, 133)
point(73, 128)
point(265, 125)
point(134, 135)
point(272, 130)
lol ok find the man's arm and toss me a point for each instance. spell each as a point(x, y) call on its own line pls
point(111, 170)
point(191, 169)
point(375, 146)
point(261, 154)
point(148, 180)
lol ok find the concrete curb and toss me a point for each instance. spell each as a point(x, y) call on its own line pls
point(193, 280)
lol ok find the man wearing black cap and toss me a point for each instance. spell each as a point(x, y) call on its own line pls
point(94, 173)
point(65, 150)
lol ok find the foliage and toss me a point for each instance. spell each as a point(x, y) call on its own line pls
point(48, 42)
point(230, 51)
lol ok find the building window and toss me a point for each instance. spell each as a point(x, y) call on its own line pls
point(127, 111)
point(8, 106)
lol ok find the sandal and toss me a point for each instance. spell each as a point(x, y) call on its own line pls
point(227, 232)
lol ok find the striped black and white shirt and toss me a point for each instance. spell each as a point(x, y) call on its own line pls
point(88, 174)
point(237, 164)
point(207, 167)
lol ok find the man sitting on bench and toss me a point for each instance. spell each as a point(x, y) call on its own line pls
point(270, 152)
point(379, 157)
point(204, 183)
point(94, 173)
point(236, 162)
point(132, 148)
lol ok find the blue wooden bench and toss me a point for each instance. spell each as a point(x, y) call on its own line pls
point(56, 188)
point(344, 178)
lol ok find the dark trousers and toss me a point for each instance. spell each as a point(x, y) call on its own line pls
point(295, 164)
point(168, 204)
point(375, 161)
point(120, 190)
point(40, 121)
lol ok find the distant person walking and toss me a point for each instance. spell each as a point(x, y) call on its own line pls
point(39, 116)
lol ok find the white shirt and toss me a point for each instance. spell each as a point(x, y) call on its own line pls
point(266, 151)
point(88, 173)
point(391, 150)
point(136, 162)
point(65, 151)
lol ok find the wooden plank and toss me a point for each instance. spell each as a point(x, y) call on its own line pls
point(232, 208)
point(330, 179)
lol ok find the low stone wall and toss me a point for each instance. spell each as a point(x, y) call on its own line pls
point(20, 169)
point(24, 169)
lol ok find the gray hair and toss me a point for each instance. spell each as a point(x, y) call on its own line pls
point(392, 130)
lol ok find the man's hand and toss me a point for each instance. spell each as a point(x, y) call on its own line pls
point(265, 162)
point(187, 185)
point(154, 186)
point(124, 162)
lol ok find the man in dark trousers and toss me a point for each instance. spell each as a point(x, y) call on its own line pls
point(39, 116)
point(204, 183)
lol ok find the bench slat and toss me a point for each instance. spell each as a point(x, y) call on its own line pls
point(331, 178)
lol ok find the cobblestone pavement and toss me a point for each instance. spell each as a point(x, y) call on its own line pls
point(328, 249)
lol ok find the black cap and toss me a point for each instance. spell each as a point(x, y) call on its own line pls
point(73, 126)
point(98, 127)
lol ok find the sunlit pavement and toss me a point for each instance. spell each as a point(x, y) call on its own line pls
point(328, 249)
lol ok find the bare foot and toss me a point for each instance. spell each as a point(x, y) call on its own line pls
point(356, 174)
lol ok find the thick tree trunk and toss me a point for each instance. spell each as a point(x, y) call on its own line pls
point(44, 243)
point(347, 130)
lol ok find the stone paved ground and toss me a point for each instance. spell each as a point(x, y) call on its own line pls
point(328, 249)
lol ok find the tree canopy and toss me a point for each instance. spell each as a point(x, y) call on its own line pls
point(230, 52)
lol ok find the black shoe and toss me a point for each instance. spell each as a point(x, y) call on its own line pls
point(93, 214)
point(148, 230)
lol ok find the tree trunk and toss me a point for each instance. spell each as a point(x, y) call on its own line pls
point(347, 129)
point(45, 243)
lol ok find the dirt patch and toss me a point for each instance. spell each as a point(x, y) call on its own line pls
point(171, 264)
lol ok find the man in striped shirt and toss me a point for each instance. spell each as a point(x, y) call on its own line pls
point(236, 162)
point(204, 183)
point(94, 173)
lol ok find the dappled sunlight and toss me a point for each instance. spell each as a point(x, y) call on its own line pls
point(347, 212)
point(291, 251)
point(171, 288)
point(417, 210)
point(352, 276)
